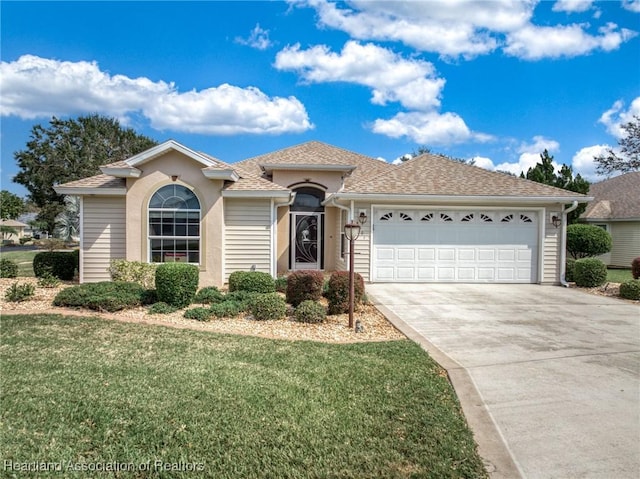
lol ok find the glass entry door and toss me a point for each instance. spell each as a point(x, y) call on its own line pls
point(306, 240)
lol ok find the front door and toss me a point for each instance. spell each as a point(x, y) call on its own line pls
point(306, 240)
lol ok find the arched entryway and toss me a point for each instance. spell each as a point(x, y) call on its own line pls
point(307, 229)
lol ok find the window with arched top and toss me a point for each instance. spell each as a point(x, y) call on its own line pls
point(174, 225)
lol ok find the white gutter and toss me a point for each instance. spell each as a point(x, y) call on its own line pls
point(413, 199)
point(563, 244)
point(274, 232)
point(332, 202)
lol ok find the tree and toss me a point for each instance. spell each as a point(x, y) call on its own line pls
point(584, 241)
point(423, 149)
point(629, 159)
point(68, 221)
point(11, 206)
point(68, 150)
point(545, 172)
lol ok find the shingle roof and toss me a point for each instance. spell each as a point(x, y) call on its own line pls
point(615, 198)
point(253, 183)
point(429, 174)
point(98, 181)
point(12, 223)
point(317, 153)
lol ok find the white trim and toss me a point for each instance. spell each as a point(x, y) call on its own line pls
point(162, 148)
point(96, 191)
point(273, 238)
point(81, 255)
point(542, 231)
point(609, 220)
point(256, 194)
point(267, 167)
point(229, 175)
point(459, 200)
point(121, 172)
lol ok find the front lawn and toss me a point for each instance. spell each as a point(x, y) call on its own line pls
point(618, 275)
point(93, 391)
point(23, 258)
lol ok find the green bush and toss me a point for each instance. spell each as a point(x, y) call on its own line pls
point(570, 267)
point(244, 299)
point(226, 309)
point(589, 273)
point(161, 308)
point(19, 292)
point(251, 281)
point(584, 241)
point(310, 312)
point(133, 272)
point(338, 292)
point(304, 285)
point(8, 268)
point(47, 280)
point(630, 289)
point(25, 239)
point(177, 283)
point(199, 314)
point(61, 264)
point(281, 284)
point(635, 268)
point(268, 306)
point(104, 296)
point(149, 296)
point(208, 295)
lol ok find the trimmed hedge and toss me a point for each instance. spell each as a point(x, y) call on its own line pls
point(8, 268)
point(252, 282)
point(589, 273)
point(630, 289)
point(244, 299)
point(226, 309)
point(281, 284)
point(177, 283)
point(304, 285)
point(338, 291)
point(133, 272)
point(61, 264)
point(104, 296)
point(635, 268)
point(161, 308)
point(310, 312)
point(570, 268)
point(268, 306)
point(585, 241)
point(208, 295)
point(199, 314)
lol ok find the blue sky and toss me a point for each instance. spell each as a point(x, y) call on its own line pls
point(497, 81)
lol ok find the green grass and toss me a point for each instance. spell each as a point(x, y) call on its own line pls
point(618, 275)
point(91, 391)
point(24, 259)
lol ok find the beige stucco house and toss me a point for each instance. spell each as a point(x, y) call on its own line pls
point(428, 219)
point(16, 226)
point(616, 208)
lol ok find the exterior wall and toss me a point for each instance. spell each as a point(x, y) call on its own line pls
point(331, 180)
point(103, 236)
point(550, 255)
point(157, 173)
point(626, 242)
point(284, 238)
point(247, 235)
point(331, 239)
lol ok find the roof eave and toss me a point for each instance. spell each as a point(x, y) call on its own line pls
point(121, 172)
point(162, 148)
point(269, 167)
point(227, 175)
point(256, 194)
point(610, 220)
point(86, 190)
point(411, 198)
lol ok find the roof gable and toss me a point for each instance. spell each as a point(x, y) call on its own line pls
point(615, 198)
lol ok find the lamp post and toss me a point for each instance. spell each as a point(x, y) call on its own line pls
point(351, 232)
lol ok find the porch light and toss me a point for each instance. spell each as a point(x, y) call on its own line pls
point(556, 221)
point(351, 232)
point(362, 219)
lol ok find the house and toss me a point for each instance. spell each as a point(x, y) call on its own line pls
point(616, 208)
point(428, 219)
point(16, 226)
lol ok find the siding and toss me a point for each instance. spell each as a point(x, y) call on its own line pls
point(362, 247)
point(247, 235)
point(550, 255)
point(626, 243)
point(103, 235)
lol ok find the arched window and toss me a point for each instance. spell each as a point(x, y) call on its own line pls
point(174, 225)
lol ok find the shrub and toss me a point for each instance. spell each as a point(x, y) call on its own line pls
point(281, 284)
point(104, 296)
point(133, 272)
point(8, 268)
point(244, 299)
point(47, 280)
point(310, 312)
point(177, 283)
point(50, 244)
point(570, 267)
point(585, 241)
point(630, 289)
point(208, 295)
point(199, 314)
point(19, 292)
point(589, 273)
point(149, 296)
point(24, 239)
point(303, 286)
point(251, 281)
point(226, 309)
point(61, 264)
point(161, 308)
point(269, 306)
point(338, 292)
point(635, 268)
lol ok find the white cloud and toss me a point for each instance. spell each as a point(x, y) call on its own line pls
point(413, 83)
point(530, 155)
point(258, 38)
point(483, 162)
point(617, 115)
point(534, 42)
point(469, 28)
point(572, 5)
point(583, 163)
point(429, 128)
point(631, 5)
point(34, 87)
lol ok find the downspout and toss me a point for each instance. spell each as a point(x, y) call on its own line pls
point(563, 244)
point(274, 223)
point(332, 202)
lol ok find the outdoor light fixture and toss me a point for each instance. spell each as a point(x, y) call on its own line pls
point(362, 219)
point(556, 220)
point(351, 232)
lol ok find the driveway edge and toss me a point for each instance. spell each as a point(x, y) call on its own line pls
point(498, 460)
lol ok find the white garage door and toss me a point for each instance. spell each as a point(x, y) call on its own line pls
point(464, 246)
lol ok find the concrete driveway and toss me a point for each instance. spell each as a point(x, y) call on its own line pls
point(551, 373)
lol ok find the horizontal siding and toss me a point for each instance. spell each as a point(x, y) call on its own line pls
point(247, 235)
point(626, 243)
point(362, 258)
point(550, 257)
point(103, 236)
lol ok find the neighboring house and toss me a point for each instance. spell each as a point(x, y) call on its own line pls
point(428, 219)
point(616, 208)
point(17, 226)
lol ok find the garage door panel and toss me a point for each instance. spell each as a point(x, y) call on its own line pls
point(486, 274)
point(446, 254)
point(405, 273)
point(385, 273)
point(426, 254)
point(384, 253)
point(466, 254)
point(486, 254)
point(466, 274)
point(426, 273)
point(446, 274)
point(506, 254)
point(406, 254)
